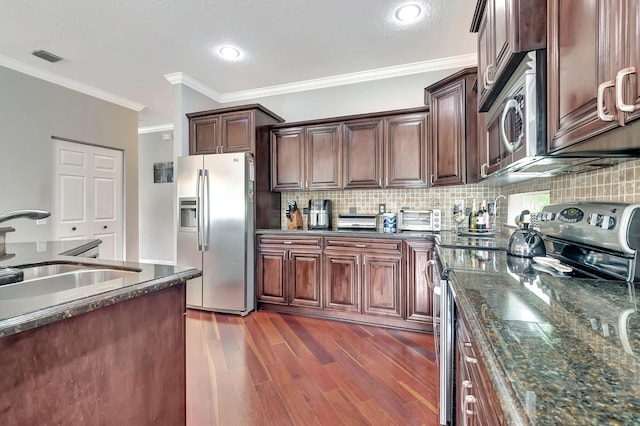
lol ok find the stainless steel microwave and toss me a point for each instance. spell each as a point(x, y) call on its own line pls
point(419, 220)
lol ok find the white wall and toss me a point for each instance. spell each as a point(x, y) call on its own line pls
point(156, 204)
point(33, 110)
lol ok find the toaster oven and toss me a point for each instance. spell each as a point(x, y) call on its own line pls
point(419, 220)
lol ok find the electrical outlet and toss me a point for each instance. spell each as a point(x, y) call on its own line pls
point(382, 208)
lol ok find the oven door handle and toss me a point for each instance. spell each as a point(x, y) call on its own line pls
point(511, 146)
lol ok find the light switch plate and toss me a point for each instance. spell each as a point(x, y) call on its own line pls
point(382, 208)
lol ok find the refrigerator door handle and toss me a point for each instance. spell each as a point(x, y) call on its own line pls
point(199, 205)
point(205, 220)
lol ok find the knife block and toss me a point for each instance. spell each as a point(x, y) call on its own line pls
point(296, 220)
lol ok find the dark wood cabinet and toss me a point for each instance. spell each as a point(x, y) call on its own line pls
point(323, 152)
point(507, 29)
point(289, 271)
point(476, 400)
point(238, 134)
point(453, 116)
point(371, 267)
point(419, 284)
point(204, 135)
point(306, 158)
point(342, 281)
point(592, 78)
point(405, 161)
point(382, 289)
point(287, 159)
point(362, 153)
point(385, 150)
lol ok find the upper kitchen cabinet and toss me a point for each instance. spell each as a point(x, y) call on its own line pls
point(454, 145)
point(507, 29)
point(383, 150)
point(228, 129)
point(306, 158)
point(593, 61)
point(405, 163)
point(362, 153)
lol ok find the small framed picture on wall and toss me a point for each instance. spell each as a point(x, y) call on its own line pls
point(163, 172)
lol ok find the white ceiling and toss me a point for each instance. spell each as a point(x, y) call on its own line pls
point(122, 50)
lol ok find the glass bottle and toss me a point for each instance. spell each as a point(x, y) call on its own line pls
point(473, 217)
point(481, 223)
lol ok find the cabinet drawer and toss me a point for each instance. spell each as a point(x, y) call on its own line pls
point(363, 244)
point(289, 241)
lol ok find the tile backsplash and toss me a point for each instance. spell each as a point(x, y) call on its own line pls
point(620, 183)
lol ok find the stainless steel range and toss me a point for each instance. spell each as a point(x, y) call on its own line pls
point(596, 244)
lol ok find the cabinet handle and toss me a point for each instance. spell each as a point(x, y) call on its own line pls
point(73, 228)
point(619, 86)
point(466, 357)
point(468, 400)
point(306, 184)
point(483, 173)
point(301, 185)
point(105, 227)
point(489, 81)
point(287, 242)
point(361, 245)
point(484, 80)
point(380, 182)
point(386, 181)
point(600, 101)
point(431, 180)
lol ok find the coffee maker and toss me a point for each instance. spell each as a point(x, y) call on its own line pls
point(319, 214)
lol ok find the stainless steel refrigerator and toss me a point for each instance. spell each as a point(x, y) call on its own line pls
point(216, 212)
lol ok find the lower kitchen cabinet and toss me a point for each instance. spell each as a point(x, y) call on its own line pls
point(371, 280)
point(419, 284)
point(476, 400)
point(289, 271)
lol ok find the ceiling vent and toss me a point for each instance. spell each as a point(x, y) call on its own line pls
point(47, 56)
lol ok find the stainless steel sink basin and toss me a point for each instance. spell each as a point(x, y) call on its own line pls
point(46, 279)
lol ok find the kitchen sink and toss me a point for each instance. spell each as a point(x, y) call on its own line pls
point(53, 278)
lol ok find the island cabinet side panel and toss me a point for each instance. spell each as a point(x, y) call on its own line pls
point(121, 364)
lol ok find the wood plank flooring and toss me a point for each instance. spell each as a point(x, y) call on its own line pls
point(280, 369)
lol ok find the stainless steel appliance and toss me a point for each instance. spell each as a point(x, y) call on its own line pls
point(216, 230)
point(526, 241)
point(419, 220)
point(366, 222)
point(319, 214)
point(596, 243)
point(516, 132)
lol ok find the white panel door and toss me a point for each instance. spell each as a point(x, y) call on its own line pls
point(88, 192)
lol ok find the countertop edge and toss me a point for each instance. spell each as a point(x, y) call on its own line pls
point(73, 308)
point(509, 403)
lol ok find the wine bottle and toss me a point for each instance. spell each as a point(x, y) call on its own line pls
point(473, 217)
point(481, 223)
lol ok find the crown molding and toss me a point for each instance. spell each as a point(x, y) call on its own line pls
point(68, 83)
point(159, 128)
point(187, 80)
point(460, 61)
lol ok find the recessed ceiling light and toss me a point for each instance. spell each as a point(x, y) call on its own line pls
point(408, 12)
point(229, 52)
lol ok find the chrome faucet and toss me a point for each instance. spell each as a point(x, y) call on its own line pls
point(495, 204)
point(29, 214)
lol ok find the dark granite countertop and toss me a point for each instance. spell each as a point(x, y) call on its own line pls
point(444, 238)
point(24, 305)
point(558, 350)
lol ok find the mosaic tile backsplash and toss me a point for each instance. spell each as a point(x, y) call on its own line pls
point(620, 183)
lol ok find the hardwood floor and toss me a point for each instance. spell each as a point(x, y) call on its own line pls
point(279, 369)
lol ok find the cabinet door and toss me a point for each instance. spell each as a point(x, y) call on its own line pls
point(271, 276)
point(304, 278)
point(631, 52)
point(448, 135)
point(287, 159)
point(204, 135)
point(238, 133)
point(381, 285)
point(581, 56)
point(485, 55)
point(362, 167)
point(419, 284)
point(406, 151)
point(323, 157)
point(342, 279)
point(502, 38)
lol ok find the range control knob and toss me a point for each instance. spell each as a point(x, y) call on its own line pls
point(593, 219)
point(607, 222)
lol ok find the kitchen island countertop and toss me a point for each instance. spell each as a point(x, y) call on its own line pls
point(23, 311)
